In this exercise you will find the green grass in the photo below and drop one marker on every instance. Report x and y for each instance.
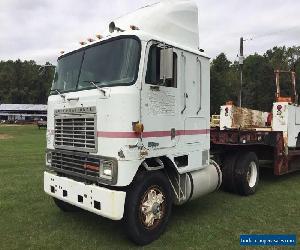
(30, 220)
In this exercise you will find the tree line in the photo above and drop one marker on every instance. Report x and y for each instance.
(26, 82)
(258, 89)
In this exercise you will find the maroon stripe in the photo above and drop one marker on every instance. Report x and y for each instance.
(148, 134)
(117, 134)
(193, 132)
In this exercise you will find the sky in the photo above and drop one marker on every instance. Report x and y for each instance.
(40, 29)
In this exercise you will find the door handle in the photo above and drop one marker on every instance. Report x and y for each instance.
(185, 95)
(73, 99)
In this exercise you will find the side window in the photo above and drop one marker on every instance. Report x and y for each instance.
(153, 69)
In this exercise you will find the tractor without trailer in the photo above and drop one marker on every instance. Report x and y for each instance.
(128, 124)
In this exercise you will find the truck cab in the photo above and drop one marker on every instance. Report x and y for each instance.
(128, 121)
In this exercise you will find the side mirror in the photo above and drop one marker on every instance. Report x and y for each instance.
(166, 64)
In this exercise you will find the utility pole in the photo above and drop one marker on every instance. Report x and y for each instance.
(241, 62)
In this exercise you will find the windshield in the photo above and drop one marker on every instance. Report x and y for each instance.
(112, 63)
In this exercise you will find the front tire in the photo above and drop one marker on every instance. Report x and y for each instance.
(148, 207)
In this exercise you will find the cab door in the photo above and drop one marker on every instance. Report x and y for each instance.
(159, 93)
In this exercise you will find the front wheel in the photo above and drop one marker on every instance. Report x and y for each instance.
(148, 207)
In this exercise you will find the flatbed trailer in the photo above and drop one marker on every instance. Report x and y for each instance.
(268, 145)
(229, 147)
(242, 140)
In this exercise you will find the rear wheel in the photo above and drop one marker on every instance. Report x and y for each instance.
(64, 206)
(247, 173)
(148, 207)
(228, 181)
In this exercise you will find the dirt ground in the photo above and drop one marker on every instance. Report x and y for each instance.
(5, 136)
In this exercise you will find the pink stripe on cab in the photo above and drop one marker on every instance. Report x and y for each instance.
(148, 134)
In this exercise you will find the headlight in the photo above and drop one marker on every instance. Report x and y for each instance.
(107, 169)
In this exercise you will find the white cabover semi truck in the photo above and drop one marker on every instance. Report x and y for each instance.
(128, 121)
(128, 128)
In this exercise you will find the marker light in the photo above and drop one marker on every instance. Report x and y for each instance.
(133, 27)
(99, 36)
(62, 52)
(90, 40)
(82, 43)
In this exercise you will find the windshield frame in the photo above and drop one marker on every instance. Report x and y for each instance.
(52, 90)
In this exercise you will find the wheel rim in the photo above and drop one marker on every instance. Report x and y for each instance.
(152, 207)
(252, 174)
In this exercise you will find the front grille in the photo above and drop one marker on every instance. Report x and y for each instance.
(75, 164)
(76, 132)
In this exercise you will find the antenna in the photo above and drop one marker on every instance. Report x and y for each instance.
(241, 62)
(112, 27)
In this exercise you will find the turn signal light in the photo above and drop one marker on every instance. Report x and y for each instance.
(99, 36)
(90, 40)
(82, 43)
(91, 167)
(279, 107)
(137, 127)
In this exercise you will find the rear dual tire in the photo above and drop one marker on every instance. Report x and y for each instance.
(241, 173)
(247, 174)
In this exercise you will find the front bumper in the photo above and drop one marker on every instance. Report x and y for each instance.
(102, 201)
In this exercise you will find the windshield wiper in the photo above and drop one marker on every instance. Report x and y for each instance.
(58, 92)
(94, 83)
